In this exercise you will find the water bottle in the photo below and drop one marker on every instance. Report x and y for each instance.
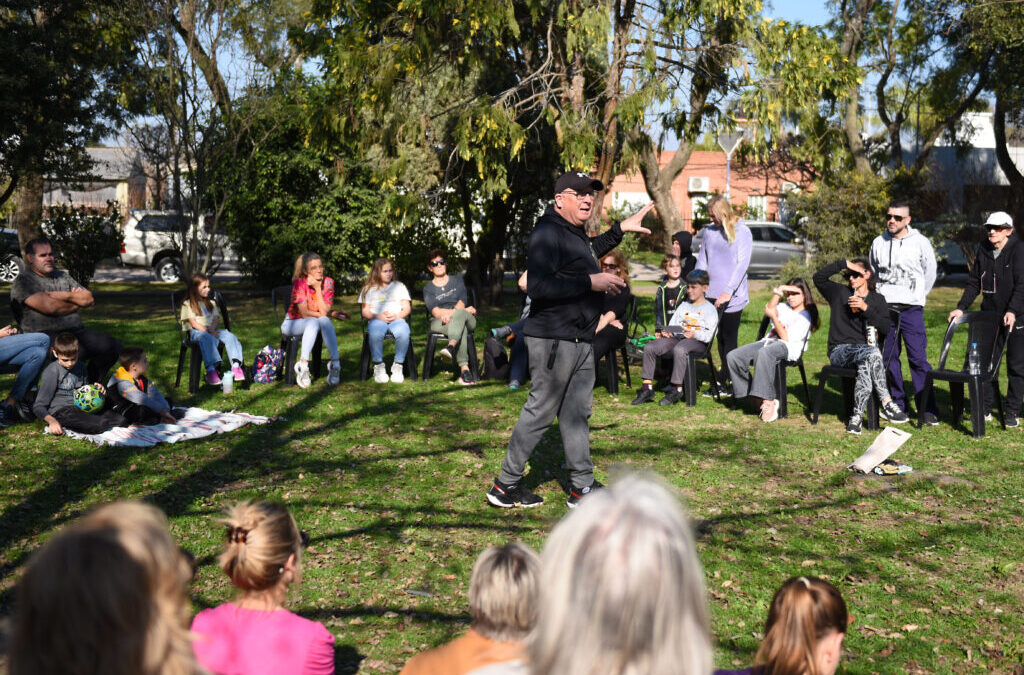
(973, 360)
(228, 381)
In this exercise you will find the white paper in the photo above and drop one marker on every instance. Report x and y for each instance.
(886, 443)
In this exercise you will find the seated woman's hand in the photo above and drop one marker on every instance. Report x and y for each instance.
(339, 314)
(387, 317)
(471, 310)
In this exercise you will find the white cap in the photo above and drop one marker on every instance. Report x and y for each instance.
(1000, 219)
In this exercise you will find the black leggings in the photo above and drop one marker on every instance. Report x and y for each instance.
(608, 340)
(728, 335)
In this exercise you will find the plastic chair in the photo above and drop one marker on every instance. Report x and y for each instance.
(291, 344)
(612, 358)
(781, 388)
(408, 367)
(195, 364)
(692, 381)
(432, 339)
(986, 329)
(848, 376)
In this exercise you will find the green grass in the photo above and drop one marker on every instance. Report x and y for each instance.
(389, 481)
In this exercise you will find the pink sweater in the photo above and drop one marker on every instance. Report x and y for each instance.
(235, 641)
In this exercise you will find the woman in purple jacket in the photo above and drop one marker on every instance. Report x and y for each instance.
(725, 255)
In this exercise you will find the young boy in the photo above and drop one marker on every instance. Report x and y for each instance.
(55, 402)
(132, 395)
(689, 330)
(670, 293)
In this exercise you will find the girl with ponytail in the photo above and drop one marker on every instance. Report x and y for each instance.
(255, 634)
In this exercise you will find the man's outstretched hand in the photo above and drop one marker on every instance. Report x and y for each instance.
(633, 223)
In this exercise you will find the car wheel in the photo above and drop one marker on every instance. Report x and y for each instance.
(169, 270)
(10, 268)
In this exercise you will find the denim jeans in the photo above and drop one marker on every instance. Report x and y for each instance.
(378, 329)
(28, 351)
(308, 329)
(209, 345)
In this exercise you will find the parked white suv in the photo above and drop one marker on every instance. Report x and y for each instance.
(153, 239)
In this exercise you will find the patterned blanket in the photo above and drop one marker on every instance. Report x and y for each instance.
(195, 423)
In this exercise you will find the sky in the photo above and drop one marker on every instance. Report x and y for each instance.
(810, 12)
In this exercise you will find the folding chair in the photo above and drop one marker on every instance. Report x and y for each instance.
(195, 364)
(291, 344)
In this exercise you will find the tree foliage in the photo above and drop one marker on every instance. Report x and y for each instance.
(843, 216)
(82, 238)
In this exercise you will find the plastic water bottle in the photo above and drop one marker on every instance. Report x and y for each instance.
(973, 360)
(227, 381)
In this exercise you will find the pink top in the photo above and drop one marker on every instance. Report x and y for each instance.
(301, 292)
(234, 641)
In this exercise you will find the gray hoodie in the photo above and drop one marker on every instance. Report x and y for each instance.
(904, 268)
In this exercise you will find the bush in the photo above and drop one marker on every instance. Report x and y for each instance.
(842, 216)
(81, 239)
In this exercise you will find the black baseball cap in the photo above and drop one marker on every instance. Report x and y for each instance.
(578, 181)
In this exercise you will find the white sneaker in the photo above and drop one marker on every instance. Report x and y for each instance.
(302, 376)
(396, 373)
(380, 373)
(333, 373)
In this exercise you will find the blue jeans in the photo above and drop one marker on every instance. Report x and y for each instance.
(378, 329)
(209, 345)
(519, 358)
(308, 329)
(28, 351)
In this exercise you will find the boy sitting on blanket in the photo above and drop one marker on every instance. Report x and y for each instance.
(689, 330)
(132, 395)
(55, 403)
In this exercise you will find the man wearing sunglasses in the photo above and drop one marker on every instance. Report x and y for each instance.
(904, 265)
(567, 289)
(998, 275)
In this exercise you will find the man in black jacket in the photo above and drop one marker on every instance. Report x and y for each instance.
(855, 309)
(998, 274)
(566, 289)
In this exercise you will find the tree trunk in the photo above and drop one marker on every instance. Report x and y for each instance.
(473, 271)
(853, 30)
(1013, 174)
(658, 182)
(28, 213)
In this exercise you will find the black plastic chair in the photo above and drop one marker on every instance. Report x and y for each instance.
(195, 364)
(612, 358)
(986, 329)
(433, 338)
(781, 388)
(408, 367)
(692, 382)
(291, 344)
(848, 377)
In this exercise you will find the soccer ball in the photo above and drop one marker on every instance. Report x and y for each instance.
(88, 398)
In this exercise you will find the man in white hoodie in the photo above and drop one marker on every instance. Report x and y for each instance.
(904, 264)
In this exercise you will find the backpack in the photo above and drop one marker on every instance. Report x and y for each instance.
(267, 364)
(495, 360)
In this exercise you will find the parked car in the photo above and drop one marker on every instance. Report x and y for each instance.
(10, 256)
(153, 239)
(774, 245)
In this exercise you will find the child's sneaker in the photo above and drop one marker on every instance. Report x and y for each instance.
(302, 376)
(333, 373)
(237, 372)
(213, 377)
(380, 373)
(397, 374)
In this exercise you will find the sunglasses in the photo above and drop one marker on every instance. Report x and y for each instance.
(437, 263)
(850, 274)
(992, 228)
(573, 193)
(894, 216)
(606, 266)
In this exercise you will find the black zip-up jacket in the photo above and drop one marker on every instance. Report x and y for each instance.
(560, 259)
(1003, 275)
(847, 327)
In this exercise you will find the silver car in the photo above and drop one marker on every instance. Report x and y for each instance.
(773, 246)
(153, 239)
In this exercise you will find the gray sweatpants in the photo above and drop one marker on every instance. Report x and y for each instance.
(565, 390)
(679, 348)
(765, 355)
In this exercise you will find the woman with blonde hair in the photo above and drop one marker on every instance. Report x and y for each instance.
(255, 634)
(804, 632)
(108, 595)
(611, 324)
(310, 312)
(386, 303)
(623, 588)
(725, 255)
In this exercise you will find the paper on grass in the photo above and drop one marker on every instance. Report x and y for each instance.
(886, 443)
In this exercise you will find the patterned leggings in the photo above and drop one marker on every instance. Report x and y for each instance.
(870, 372)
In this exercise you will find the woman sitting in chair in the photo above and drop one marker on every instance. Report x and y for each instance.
(310, 312)
(611, 325)
(385, 305)
(450, 313)
(792, 321)
(201, 317)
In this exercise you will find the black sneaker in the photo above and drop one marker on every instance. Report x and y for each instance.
(508, 496)
(854, 425)
(466, 378)
(672, 397)
(892, 412)
(1010, 420)
(576, 494)
(7, 416)
(724, 391)
(646, 395)
(930, 419)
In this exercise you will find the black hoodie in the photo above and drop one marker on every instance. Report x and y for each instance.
(1006, 294)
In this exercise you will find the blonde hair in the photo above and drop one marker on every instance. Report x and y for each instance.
(720, 207)
(373, 280)
(108, 595)
(623, 589)
(261, 536)
(503, 592)
(803, 612)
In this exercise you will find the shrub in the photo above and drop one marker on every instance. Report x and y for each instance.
(82, 238)
(842, 215)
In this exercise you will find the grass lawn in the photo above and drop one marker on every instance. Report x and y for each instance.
(390, 480)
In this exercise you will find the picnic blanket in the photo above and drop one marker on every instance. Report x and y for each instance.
(195, 423)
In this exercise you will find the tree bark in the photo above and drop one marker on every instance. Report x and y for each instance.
(658, 182)
(1013, 174)
(853, 31)
(28, 214)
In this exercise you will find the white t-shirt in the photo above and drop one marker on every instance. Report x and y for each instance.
(385, 298)
(798, 325)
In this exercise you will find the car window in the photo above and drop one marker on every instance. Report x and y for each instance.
(782, 235)
(154, 223)
(757, 233)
